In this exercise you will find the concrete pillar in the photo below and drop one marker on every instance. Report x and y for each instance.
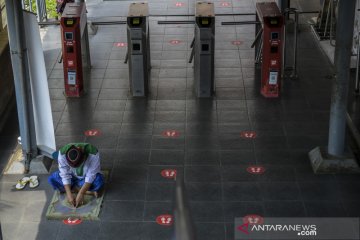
(19, 59)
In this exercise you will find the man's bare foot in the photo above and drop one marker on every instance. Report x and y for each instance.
(96, 194)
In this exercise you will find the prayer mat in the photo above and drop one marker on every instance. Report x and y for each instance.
(60, 208)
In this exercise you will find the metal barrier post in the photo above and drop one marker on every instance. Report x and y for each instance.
(204, 48)
(293, 68)
(75, 49)
(1, 237)
(184, 227)
(357, 65)
(271, 47)
(138, 54)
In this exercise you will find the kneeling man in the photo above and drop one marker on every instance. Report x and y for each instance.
(79, 171)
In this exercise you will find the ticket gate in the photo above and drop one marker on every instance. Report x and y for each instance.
(204, 49)
(138, 49)
(75, 48)
(270, 46)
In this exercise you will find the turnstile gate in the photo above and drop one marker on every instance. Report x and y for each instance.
(204, 48)
(269, 48)
(75, 48)
(138, 49)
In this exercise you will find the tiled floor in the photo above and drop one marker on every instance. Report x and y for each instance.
(209, 148)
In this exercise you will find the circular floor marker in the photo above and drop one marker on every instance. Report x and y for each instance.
(121, 44)
(179, 4)
(72, 221)
(92, 132)
(225, 4)
(253, 219)
(168, 173)
(165, 220)
(248, 134)
(237, 42)
(174, 42)
(257, 170)
(171, 133)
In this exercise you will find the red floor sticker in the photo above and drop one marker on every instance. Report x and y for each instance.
(171, 133)
(253, 219)
(225, 4)
(179, 4)
(248, 134)
(121, 44)
(174, 42)
(168, 173)
(72, 221)
(237, 42)
(92, 132)
(165, 220)
(255, 169)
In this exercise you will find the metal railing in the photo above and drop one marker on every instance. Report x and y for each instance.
(326, 22)
(292, 68)
(41, 11)
(184, 227)
(357, 64)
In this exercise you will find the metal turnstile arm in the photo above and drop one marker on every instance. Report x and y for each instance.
(126, 57)
(257, 38)
(192, 50)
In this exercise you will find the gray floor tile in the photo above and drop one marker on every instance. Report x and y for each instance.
(203, 191)
(129, 157)
(120, 230)
(167, 157)
(122, 211)
(126, 191)
(202, 174)
(245, 191)
(213, 231)
(234, 210)
(237, 174)
(325, 191)
(237, 157)
(35, 211)
(352, 208)
(124, 173)
(202, 157)
(160, 191)
(85, 230)
(280, 191)
(152, 231)
(155, 209)
(167, 143)
(134, 142)
(325, 209)
(200, 211)
(284, 209)
(39, 231)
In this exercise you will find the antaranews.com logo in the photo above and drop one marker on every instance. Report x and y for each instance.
(299, 230)
(296, 228)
